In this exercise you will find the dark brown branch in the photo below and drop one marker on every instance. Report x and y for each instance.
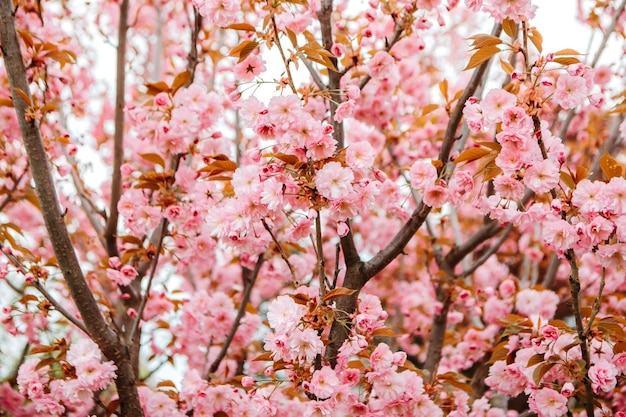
(249, 279)
(46, 191)
(574, 282)
(324, 15)
(86, 304)
(400, 240)
(110, 233)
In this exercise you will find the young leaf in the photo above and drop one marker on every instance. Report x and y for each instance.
(337, 292)
(610, 167)
(509, 27)
(471, 154)
(481, 56)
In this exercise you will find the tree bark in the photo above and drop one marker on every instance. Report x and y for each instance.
(106, 339)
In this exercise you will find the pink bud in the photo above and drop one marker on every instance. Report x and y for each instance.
(247, 381)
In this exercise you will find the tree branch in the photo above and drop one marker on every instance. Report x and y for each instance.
(110, 233)
(46, 192)
(95, 323)
(249, 278)
(400, 240)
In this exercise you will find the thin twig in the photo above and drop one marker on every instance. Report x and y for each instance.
(320, 256)
(487, 254)
(9, 196)
(596, 303)
(249, 279)
(282, 252)
(282, 54)
(153, 266)
(314, 74)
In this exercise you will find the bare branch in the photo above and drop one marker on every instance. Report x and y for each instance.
(118, 144)
(249, 279)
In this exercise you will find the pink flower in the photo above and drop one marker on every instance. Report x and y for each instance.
(344, 110)
(495, 103)
(542, 176)
(603, 376)
(284, 314)
(360, 155)
(590, 196)
(435, 196)
(334, 181)
(570, 91)
(506, 379)
(508, 188)
(422, 174)
(547, 402)
(220, 12)
(305, 344)
(324, 383)
(380, 66)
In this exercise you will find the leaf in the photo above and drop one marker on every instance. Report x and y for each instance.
(384, 332)
(506, 66)
(481, 56)
(610, 167)
(509, 27)
(42, 349)
(6, 102)
(62, 57)
(28, 40)
(338, 292)
(568, 180)
(292, 37)
(535, 359)
(242, 26)
(566, 60)
(536, 38)
(567, 51)
(166, 383)
(244, 49)
(288, 159)
(483, 40)
(24, 96)
(156, 88)
(179, 81)
(491, 145)
(267, 356)
(541, 370)
(443, 87)
(471, 154)
(154, 158)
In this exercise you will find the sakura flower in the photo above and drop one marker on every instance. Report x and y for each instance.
(547, 402)
(220, 12)
(603, 376)
(435, 196)
(590, 196)
(360, 155)
(422, 174)
(495, 103)
(380, 66)
(334, 181)
(324, 383)
(284, 314)
(542, 176)
(305, 344)
(570, 91)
